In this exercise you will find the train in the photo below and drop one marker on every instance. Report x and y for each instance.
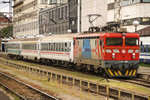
(0, 45)
(145, 50)
(109, 54)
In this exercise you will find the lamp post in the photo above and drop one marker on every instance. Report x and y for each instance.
(136, 24)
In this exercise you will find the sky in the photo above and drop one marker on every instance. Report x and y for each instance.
(4, 7)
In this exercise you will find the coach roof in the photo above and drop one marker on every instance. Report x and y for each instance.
(58, 37)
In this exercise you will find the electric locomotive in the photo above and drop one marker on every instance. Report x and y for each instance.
(112, 54)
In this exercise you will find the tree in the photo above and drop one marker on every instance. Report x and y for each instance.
(7, 31)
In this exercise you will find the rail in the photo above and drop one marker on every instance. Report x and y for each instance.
(13, 92)
(45, 95)
(90, 86)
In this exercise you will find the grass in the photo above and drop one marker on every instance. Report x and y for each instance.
(59, 90)
(116, 84)
(145, 65)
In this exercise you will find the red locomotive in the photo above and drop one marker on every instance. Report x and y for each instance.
(112, 54)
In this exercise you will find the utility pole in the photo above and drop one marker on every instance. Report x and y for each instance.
(117, 11)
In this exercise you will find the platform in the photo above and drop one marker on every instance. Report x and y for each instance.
(144, 70)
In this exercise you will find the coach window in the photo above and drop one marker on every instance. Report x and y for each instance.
(31, 46)
(59, 46)
(46, 46)
(62, 46)
(146, 1)
(65, 45)
(27, 46)
(148, 48)
(54, 47)
(144, 48)
(49, 47)
(42, 46)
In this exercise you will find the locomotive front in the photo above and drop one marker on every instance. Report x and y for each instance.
(121, 54)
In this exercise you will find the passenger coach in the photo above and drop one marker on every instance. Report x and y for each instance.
(145, 50)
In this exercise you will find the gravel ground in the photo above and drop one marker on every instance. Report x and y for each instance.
(5, 96)
(144, 70)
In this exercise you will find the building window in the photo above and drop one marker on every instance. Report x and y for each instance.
(43, 1)
(126, 3)
(146, 1)
(142, 21)
(53, 1)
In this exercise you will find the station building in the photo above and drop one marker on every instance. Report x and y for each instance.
(58, 16)
(26, 15)
(131, 10)
(76, 15)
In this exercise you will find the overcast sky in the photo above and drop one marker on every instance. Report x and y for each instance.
(4, 7)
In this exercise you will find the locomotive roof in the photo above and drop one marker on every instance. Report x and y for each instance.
(58, 37)
(107, 34)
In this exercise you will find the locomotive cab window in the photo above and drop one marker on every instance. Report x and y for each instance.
(114, 41)
(132, 41)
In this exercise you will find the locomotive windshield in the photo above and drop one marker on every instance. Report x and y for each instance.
(114, 41)
(132, 41)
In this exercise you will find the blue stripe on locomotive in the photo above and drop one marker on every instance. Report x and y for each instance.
(86, 49)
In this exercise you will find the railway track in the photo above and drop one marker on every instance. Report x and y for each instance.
(85, 85)
(22, 90)
(138, 81)
(141, 82)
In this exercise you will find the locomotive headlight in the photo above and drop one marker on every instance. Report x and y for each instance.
(108, 50)
(136, 51)
(133, 55)
(113, 55)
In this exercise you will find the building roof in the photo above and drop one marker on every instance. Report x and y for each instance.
(4, 18)
(144, 31)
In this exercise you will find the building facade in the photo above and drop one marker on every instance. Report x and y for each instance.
(131, 10)
(26, 15)
(54, 20)
(93, 13)
(78, 15)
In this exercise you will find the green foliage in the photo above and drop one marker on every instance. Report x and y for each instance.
(144, 64)
(6, 32)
